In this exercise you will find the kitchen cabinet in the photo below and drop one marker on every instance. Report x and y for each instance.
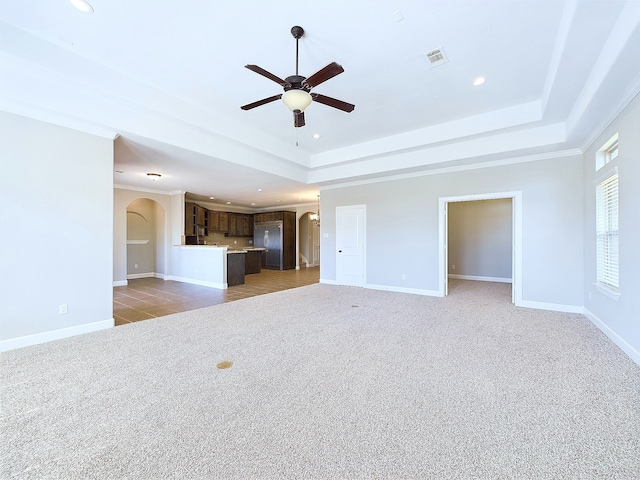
(269, 217)
(218, 221)
(195, 216)
(253, 262)
(248, 226)
(233, 224)
(235, 268)
(223, 226)
(190, 218)
(214, 220)
(240, 225)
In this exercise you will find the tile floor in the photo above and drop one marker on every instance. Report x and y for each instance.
(145, 298)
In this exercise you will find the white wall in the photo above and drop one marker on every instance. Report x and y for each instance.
(56, 219)
(620, 319)
(402, 226)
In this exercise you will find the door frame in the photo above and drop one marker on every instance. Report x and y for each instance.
(516, 238)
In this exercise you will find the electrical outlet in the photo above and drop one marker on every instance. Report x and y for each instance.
(404, 277)
(453, 267)
(135, 266)
(62, 309)
(235, 242)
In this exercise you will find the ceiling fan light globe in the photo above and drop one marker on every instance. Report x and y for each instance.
(296, 99)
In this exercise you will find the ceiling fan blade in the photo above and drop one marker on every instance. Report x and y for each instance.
(333, 102)
(298, 118)
(249, 106)
(269, 75)
(323, 75)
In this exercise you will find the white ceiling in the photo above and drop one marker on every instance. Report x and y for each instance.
(169, 79)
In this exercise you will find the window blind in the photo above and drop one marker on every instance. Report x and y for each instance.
(607, 232)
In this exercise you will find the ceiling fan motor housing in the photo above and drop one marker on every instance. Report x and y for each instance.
(296, 82)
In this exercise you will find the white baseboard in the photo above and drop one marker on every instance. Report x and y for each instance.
(481, 279)
(220, 286)
(613, 336)
(414, 291)
(44, 337)
(556, 307)
(390, 288)
(140, 275)
(124, 283)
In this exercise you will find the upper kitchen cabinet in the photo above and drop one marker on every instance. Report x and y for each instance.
(268, 217)
(218, 221)
(240, 225)
(195, 216)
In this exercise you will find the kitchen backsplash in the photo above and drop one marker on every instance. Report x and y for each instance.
(234, 242)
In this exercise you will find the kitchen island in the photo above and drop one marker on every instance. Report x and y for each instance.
(208, 265)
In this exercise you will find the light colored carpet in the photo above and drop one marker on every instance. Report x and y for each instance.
(328, 382)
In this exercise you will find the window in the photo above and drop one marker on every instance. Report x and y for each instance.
(607, 153)
(612, 152)
(607, 233)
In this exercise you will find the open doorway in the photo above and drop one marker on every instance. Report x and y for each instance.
(468, 257)
(309, 240)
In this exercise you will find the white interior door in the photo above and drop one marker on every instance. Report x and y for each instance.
(350, 245)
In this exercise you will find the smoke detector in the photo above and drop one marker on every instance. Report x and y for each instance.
(436, 57)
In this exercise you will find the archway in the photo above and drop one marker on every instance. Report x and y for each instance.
(308, 240)
(146, 239)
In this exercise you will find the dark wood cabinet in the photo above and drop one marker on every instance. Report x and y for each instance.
(218, 221)
(269, 216)
(240, 225)
(288, 239)
(233, 224)
(214, 220)
(223, 225)
(235, 268)
(253, 262)
(195, 216)
(190, 217)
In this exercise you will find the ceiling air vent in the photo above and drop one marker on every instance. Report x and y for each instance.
(436, 57)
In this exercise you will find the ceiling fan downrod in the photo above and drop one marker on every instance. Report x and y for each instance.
(297, 33)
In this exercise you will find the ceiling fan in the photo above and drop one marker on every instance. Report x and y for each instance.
(297, 88)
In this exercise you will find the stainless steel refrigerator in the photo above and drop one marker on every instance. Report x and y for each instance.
(268, 235)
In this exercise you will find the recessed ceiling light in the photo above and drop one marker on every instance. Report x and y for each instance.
(479, 81)
(316, 135)
(212, 198)
(82, 5)
(259, 189)
(253, 204)
(228, 203)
